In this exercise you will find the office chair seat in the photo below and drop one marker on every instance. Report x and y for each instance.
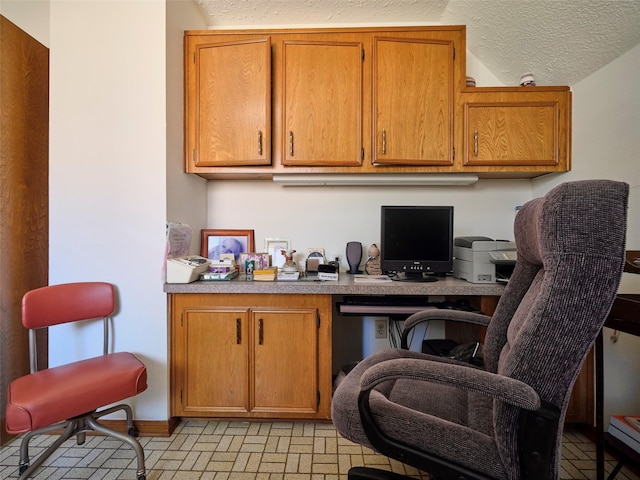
(33, 404)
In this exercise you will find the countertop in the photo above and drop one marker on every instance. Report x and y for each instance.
(344, 286)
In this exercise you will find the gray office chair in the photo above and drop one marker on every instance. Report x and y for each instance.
(504, 420)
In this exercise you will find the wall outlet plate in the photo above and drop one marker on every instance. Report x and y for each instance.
(381, 328)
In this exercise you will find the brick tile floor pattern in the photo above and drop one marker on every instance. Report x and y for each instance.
(222, 450)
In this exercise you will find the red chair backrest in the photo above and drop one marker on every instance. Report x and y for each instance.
(68, 302)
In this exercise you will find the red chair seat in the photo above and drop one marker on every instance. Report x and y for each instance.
(59, 393)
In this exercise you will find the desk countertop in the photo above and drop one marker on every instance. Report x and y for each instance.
(344, 286)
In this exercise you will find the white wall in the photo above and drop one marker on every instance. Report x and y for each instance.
(32, 17)
(606, 142)
(329, 217)
(108, 174)
(186, 194)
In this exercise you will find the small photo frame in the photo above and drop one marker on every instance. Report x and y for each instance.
(273, 246)
(213, 243)
(259, 261)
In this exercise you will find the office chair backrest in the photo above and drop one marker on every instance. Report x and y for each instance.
(68, 302)
(570, 258)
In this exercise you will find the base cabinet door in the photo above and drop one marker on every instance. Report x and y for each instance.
(285, 352)
(215, 356)
(253, 356)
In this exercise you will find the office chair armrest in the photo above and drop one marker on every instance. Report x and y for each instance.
(441, 314)
(505, 389)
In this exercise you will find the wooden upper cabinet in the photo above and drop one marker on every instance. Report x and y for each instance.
(413, 101)
(517, 128)
(228, 101)
(322, 103)
(361, 100)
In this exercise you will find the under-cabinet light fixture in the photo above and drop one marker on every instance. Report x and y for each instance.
(370, 179)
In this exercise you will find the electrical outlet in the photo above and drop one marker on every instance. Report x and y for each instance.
(381, 328)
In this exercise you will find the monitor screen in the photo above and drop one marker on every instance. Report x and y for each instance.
(416, 241)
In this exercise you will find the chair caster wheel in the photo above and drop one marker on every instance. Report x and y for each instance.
(142, 477)
(23, 468)
(132, 432)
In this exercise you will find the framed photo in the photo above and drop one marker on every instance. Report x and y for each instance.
(273, 246)
(215, 242)
(259, 261)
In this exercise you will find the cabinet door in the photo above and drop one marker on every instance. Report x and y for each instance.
(214, 363)
(228, 103)
(322, 103)
(511, 133)
(413, 101)
(285, 363)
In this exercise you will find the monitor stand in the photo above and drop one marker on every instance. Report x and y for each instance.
(414, 277)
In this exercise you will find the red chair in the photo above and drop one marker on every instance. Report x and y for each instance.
(67, 397)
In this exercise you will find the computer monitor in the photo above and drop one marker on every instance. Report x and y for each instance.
(416, 242)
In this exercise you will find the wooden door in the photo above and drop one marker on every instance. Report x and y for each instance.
(213, 361)
(228, 103)
(413, 101)
(512, 133)
(322, 103)
(24, 196)
(285, 361)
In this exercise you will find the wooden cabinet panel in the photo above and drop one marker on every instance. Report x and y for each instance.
(510, 129)
(228, 102)
(581, 403)
(24, 197)
(361, 100)
(254, 356)
(413, 99)
(512, 133)
(285, 369)
(322, 98)
(216, 356)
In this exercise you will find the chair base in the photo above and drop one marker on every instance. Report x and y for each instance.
(78, 427)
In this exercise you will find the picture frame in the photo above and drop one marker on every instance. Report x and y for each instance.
(213, 242)
(259, 261)
(273, 246)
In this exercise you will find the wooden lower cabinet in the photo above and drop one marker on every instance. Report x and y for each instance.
(251, 356)
(581, 403)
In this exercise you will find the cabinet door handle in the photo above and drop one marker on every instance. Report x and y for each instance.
(291, 143)
(260, 333)
(475, 143)
(384, 141)
(260, 142)
(238, 331)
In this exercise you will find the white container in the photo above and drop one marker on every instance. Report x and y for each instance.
(186, 269)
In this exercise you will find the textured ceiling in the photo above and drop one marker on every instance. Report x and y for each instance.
(559, 41)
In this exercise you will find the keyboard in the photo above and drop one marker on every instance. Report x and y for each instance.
(384, 304)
